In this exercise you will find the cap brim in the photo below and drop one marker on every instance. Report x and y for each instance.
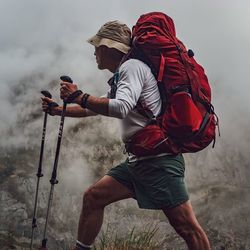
(94, 40)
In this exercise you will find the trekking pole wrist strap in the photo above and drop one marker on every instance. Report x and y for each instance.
(73, 96)
(51, 105)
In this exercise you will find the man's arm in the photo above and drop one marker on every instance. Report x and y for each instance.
(98, 105)
(71, 111)
(74, 111)
(129, 88)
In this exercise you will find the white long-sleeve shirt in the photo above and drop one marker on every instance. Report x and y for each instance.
(135, 83)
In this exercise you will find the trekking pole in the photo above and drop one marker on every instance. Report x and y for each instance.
(53, 179)
(39, 170)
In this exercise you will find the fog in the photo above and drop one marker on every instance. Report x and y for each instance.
(41, 40)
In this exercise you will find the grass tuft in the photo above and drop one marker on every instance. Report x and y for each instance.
(133, 240)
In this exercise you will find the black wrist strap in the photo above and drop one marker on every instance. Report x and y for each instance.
(50, 106)
(84, 100)
(73, 96)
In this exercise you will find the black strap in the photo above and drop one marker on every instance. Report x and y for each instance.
(73, 96)
(113, 81)
(145, 111)
(181, 88)
(204, 123)
(50, 106)
(84, 100)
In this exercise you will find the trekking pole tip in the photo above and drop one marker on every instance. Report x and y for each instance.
(44, 243)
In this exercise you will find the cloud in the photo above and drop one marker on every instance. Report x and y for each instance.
(44, 39)
(41, 40)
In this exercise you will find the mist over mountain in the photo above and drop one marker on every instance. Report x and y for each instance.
(41, 40)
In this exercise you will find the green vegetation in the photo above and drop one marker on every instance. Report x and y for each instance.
(133, 240)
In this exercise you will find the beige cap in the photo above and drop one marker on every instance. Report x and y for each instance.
(113, 34)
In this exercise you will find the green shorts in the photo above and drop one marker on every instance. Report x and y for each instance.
(157, 183)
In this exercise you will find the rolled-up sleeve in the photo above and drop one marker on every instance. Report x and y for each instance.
(129, 88)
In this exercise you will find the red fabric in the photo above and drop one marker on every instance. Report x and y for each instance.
(150, 140)
(155, 42)
(154, 36)
(182, 117)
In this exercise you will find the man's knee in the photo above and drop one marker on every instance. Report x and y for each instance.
(186, 229)
(104, 192)
(183, 220)
(92, 199)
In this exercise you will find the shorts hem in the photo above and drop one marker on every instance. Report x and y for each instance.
(155, 207)
(121, 182)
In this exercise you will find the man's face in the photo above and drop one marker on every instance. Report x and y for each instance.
(100, 54)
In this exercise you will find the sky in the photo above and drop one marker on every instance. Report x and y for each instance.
(41, 40)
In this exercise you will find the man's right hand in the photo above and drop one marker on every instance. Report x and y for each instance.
(50, 106)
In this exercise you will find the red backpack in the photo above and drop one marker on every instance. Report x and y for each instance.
(187, 122)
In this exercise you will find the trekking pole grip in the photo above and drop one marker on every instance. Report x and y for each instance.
(66, 79)
(69, 80)
(46, 93)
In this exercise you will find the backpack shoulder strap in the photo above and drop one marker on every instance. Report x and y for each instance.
(113, 81)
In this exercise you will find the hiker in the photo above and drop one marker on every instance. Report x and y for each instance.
(155, 181)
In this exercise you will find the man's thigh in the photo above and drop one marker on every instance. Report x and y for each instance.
(107, 190)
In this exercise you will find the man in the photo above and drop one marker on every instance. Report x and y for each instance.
(156, 181)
